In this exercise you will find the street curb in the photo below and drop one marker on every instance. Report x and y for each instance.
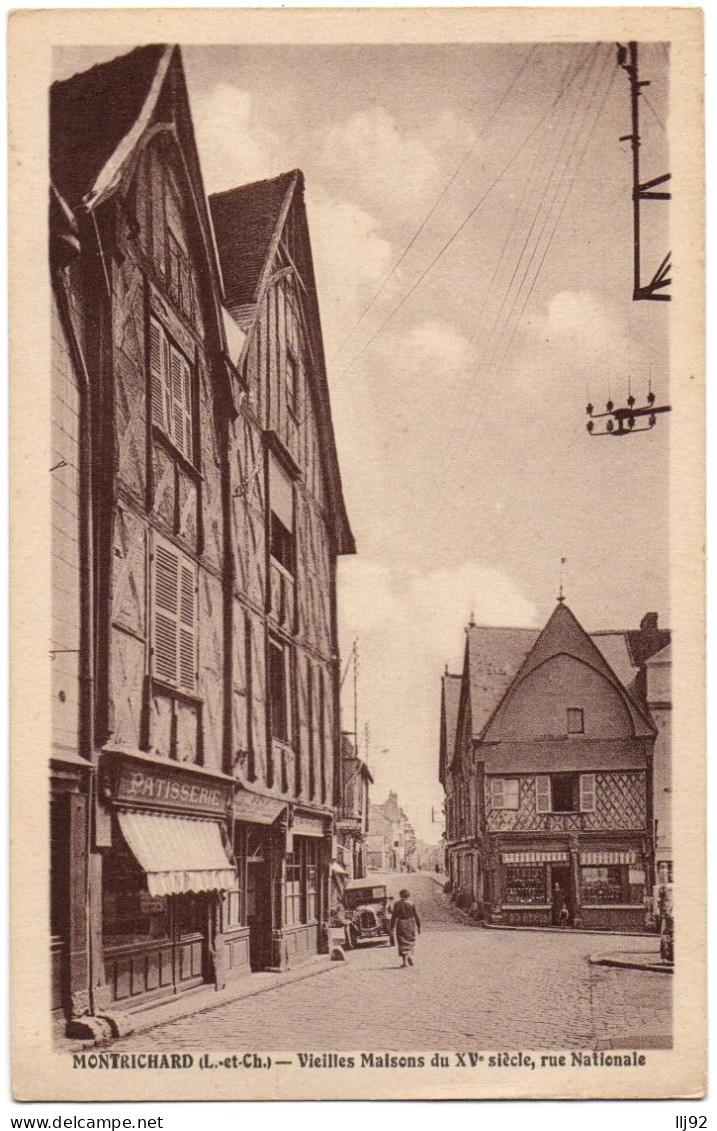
(627, 964)
(153, 1016)
(468, 919)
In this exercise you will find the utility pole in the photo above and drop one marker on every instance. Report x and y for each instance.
(627, 59)
(356, 670)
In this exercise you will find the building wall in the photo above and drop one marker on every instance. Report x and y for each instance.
(620, 803)
(537, 708)
(158, 492)
(65, 578)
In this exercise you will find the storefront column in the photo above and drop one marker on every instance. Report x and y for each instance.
(277, 864)
(575, 875)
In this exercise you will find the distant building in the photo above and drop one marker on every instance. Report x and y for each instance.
(353, 812)
(391, 843)
(549, 759)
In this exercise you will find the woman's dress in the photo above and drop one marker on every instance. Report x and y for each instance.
(406, 924)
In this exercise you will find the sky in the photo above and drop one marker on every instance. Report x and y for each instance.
(471, 225)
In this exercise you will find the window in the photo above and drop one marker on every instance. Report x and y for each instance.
(565, 793)
(170, 390)
(604, 885)
(280, 690)
(505, 793)
(292, 896)
(281, 502)
(587, 793)
(174, 617)
(179, 276)
(312, 884)
(292, 383)
(302, 883)
(576, 720)
(565, 798)
(525, 884)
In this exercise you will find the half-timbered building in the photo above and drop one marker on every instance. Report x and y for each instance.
(550, 780)
(197, 519)
(287, 525)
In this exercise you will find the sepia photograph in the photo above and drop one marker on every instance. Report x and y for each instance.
(365, 362)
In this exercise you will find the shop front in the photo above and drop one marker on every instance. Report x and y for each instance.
(165, 872)
(597, 888)
(259, 844)
(306, 882)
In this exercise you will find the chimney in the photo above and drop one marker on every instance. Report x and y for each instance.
(648, 624)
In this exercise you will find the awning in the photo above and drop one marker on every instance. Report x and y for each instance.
(256, 808)
(179, 854)
(337, 869)
(629, 856)
(535, 857)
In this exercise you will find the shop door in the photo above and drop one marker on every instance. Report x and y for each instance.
(258, 913)
(190, 931)
(563, 900)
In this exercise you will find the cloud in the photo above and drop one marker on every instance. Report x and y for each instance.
(384, 162)
(351, 260)
(235, 148)
(409, 625)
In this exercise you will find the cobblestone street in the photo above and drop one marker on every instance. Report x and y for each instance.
(470, 989)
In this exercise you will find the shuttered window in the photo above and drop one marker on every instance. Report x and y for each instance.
(505, 793)
(174, 620)
(543, 794)
(587, 793)
(170, 390)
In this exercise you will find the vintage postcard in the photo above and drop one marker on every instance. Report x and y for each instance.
(357, 581)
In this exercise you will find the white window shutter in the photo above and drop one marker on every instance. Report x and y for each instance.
(543, 793)
(511, 792)
(497, 796)
(165, 594)
(587, 793)
(178, 415)
(156, 373)
(188, 430)
(188, 626)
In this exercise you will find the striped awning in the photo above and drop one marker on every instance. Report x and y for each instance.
(179, 854)
(538, 857)
(610, 856)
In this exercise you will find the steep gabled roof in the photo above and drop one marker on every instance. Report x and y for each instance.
(245, 220)
(91, 114)
(248, 224)
(450, 701)
(493, 658)
(99, 120)
(563, 634)
(615, 647)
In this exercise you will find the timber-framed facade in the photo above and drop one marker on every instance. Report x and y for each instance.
(197, 519)
(547, 759)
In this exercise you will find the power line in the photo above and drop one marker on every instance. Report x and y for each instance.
(564, 143)
(436, 203)
(572, 141)
(466, 220)
(464, 414)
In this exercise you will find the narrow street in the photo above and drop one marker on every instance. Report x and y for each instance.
(470, 988)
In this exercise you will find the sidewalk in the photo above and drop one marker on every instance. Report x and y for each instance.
(206, 998)
(633, 960)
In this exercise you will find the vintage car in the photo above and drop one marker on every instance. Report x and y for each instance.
(368, 911)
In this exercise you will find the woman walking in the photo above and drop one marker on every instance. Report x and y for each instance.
(407, 925)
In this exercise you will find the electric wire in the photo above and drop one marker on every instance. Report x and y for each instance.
(439, 199)
(448, 243)
(464, 414)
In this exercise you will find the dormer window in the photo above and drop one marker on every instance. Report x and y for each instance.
(576, 720)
